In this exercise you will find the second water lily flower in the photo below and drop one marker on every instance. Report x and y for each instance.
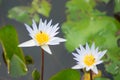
(43, 35)
(88, 58)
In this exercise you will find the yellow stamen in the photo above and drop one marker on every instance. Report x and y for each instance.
(89, 60)
(42, 38)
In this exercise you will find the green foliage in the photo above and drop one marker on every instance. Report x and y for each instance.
(113, 67)
(13, 55)
(68, 74)
(24, 14)
(102, 78)
(79, 6)
(17, 66)
(94, 29)
(117, 6)
(87, 24)
(42, 7)
(35, 75)
(20, 14)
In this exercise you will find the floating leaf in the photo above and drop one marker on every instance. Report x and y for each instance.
(89, 30)
(117, 6)
(12, 53)
(44, 8)
(20, 13)
(35, 75)
(79, 8)
(24, 14)
(68, 74)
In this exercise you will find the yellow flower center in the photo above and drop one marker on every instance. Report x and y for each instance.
(42, 38)
(89, 60)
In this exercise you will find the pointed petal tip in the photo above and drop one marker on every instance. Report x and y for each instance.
(28, 43)
(95, 70)
(21, 45)
(62, 40)
(46, 48)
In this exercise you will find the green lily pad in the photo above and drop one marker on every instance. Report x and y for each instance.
(13, 54)
(68, 74)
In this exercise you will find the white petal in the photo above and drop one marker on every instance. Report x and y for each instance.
(56, 25)
(78, 50)
(53, 43)
(96, 50)
(56, 40)
(29, 29)
(44, 25)
(82, 48)
(29, 43)
(46, 48)
(93, 47)
(76, 58)
(87, 47)
(100, 55)
(40, 24)
(49, 23)
(88, 68)
(34, 25)
(95, 70)
(77, 67)
(99, 62)
(75, 54)
(53, 29)
(45, 22)
(52, 35)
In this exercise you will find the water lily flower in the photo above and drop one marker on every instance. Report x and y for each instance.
(43, 35)
(87, 58)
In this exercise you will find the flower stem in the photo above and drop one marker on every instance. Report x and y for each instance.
(91, 75)
(42, 64)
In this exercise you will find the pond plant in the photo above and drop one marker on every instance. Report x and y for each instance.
(86, 25)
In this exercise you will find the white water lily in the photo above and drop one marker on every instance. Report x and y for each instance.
(43, 35)
(88, 58)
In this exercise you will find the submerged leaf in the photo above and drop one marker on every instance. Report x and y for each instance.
(12, 53)
(15, 66)
(35, 75)
(29, 59)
